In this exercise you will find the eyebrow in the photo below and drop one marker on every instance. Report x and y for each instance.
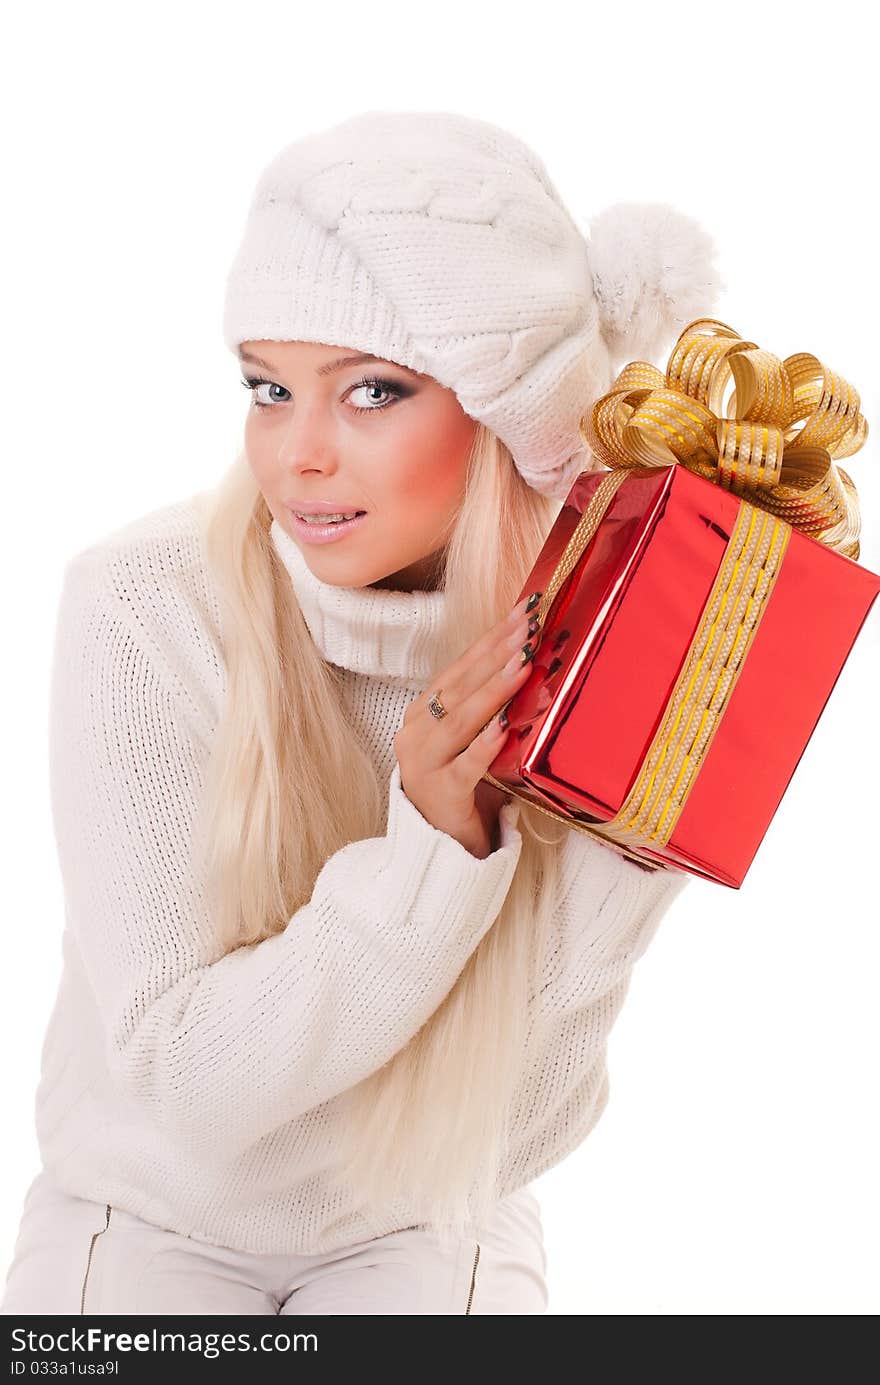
(330, 367)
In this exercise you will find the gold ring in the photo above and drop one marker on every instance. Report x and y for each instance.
(435, 706)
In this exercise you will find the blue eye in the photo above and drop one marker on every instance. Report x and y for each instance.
(390, 387)
(253, 383)
(387, 385)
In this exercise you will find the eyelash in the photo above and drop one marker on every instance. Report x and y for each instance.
(252, 383)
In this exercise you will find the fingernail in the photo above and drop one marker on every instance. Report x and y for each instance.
(503, 719)
(514, 665)
(533, 601)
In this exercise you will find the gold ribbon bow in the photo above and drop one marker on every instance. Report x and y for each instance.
(754, 446)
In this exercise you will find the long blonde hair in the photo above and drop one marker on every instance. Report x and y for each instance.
(430, 1130)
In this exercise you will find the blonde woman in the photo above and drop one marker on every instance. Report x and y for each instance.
(330, 1003)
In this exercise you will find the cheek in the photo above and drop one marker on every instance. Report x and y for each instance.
(430, 462)
(424, 491)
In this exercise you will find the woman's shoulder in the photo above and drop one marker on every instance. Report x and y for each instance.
(150, 576)
(168, 539)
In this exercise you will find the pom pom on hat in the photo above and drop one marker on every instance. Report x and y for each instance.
(653, 272)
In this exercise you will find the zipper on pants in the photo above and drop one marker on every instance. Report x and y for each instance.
(473, 1279)
(82, 1302)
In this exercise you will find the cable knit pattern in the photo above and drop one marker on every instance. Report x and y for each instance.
(198, 1090)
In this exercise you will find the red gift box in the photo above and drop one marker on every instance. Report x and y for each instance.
(689, 637)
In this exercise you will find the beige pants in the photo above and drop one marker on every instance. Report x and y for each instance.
(82, 1257)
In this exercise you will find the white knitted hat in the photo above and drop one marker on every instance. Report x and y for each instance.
(438, 241)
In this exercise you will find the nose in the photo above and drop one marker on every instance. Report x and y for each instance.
(307, 444)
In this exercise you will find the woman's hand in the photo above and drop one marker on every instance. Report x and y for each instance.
(442, 761)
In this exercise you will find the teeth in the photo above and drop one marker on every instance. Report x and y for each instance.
(325, 519)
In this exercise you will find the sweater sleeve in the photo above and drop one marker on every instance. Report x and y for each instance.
(608, 911)
(221, 1049)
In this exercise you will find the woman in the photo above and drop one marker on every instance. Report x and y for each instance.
(329, 1004)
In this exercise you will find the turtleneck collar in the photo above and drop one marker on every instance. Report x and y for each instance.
(371, 630)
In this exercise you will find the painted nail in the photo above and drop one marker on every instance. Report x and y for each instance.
(513, 666)
(533, 601)
(527, 652)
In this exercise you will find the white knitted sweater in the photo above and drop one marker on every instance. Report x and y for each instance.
(198, 1090)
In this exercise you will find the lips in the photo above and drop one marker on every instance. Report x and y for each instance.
(314, 531)
(324, 508)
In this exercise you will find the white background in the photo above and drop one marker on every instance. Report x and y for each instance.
(734, 1170)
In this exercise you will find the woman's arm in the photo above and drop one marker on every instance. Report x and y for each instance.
(222, 1049)
(607, 912)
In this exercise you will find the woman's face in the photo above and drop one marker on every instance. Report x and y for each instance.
(364, 434)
